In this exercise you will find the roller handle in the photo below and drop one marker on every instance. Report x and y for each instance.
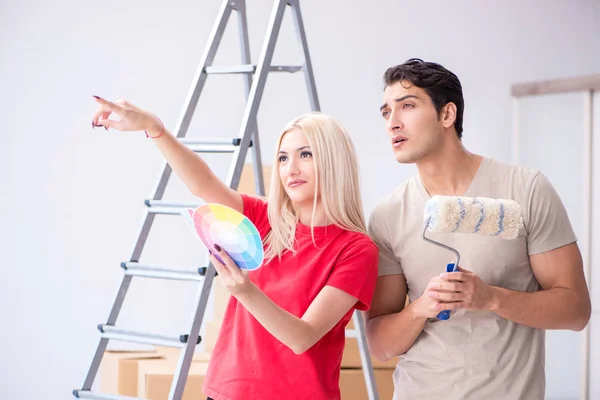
(444, 315)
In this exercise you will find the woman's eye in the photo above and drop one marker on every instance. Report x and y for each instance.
(282, 158)
(306, 154)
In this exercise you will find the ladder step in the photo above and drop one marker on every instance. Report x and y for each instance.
(212, 148)
(234, 141)
(86, 394)
(164, 272)
(351, 333)
(249, 69)
(213, 145)
(111, 332)
(168, 207)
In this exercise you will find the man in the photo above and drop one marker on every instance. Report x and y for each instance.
(506, 292)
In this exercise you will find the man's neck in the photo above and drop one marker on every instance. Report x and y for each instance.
(450, 171)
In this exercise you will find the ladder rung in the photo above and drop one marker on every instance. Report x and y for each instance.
(170, 204)
(86, 394)
(168, 207)
(225, 142)
(212, 148)
(213, 145)
(249, 69)
(110, 332)
(163, 272)
(351, 333)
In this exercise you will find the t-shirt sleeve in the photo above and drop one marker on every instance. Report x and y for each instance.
(548, 225)
(380, 233)
(255, 209)
(355, 272)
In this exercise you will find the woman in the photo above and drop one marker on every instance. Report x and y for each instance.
(283, 332)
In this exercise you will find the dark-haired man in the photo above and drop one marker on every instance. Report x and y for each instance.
(506, 292)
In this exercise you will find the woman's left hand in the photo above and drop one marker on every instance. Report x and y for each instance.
(231, 276)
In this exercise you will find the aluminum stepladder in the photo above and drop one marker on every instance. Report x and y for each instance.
(247, 138)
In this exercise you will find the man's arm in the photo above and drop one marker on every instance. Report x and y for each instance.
(392, 327)
(563, 302)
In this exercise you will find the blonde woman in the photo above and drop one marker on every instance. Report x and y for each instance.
(283, 333)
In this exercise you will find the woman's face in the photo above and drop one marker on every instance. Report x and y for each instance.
(297, 168)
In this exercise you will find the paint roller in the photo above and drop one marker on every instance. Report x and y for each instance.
(472, 215)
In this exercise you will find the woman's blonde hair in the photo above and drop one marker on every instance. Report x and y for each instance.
(336, 183)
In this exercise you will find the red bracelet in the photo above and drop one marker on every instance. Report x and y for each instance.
(161, 132)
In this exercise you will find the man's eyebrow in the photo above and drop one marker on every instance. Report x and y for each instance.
(384, 105)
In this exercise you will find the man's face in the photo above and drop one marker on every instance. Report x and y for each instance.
(411, 121)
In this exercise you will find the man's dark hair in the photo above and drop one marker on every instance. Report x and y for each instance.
(440, 84)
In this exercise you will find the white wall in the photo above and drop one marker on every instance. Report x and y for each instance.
(554, 142)
(595, 246)
(72, 198)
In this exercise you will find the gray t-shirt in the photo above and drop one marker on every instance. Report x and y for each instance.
(473, 355)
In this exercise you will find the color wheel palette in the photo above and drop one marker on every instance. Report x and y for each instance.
(231, 230)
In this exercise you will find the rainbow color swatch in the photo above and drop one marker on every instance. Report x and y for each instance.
(231, 230)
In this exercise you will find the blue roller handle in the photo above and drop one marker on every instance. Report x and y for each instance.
(444, 315)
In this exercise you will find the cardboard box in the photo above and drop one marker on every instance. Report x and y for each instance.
(247, 185)
(173, 353)
(155, 380)
(353, 386)
(119, 370)
(155, 377)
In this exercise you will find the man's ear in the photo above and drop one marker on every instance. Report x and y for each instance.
(449, 115)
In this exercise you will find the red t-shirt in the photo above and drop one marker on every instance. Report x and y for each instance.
(248, 362)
